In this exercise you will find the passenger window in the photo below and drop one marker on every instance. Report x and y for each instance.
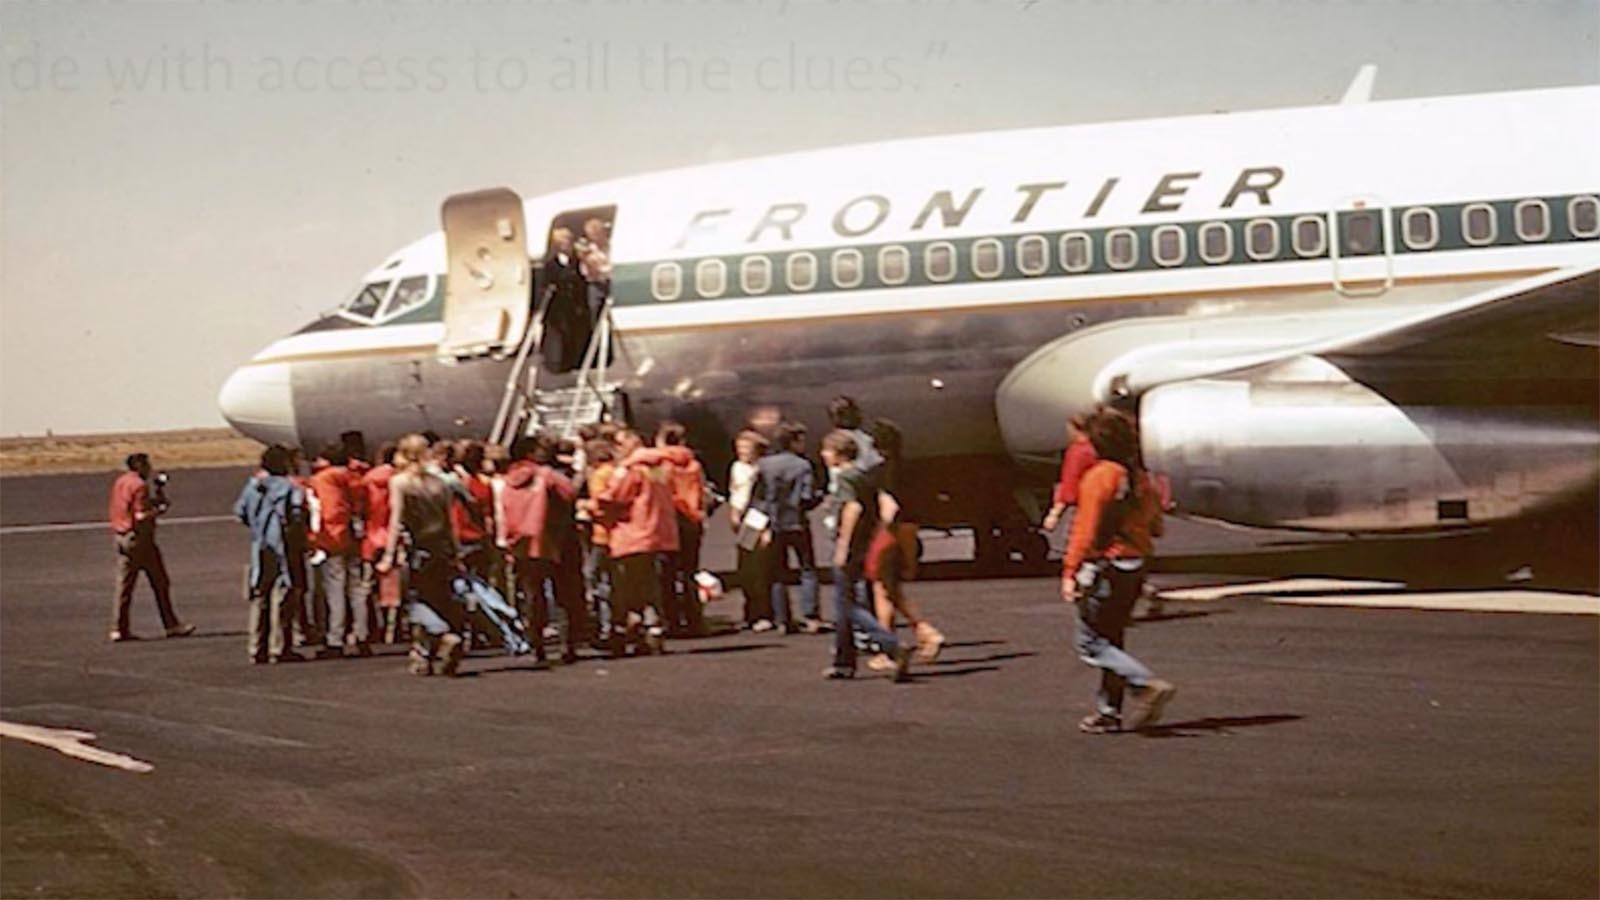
(988, 258)
(1583, 217)
(847, 268)
(1309, 234)
(1261, 239)
(755, 275)
(666, 281)
(1421, 228)
(1362, 233)
(368, 300)
(1478, 224)
(1033, 254)
(801, 271)
(409, 294)
(1077, 252)
(1533, 220)
(1216, 242)
(1122, 248)
(710, 277)
(1169, 245)
(894, 265)
(940, 261)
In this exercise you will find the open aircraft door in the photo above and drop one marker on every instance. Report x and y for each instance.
(486, 301)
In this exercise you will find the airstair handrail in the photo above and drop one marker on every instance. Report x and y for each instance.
(530, 340)
(593, 365)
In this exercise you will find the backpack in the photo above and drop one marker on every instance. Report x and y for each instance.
(1117, 510)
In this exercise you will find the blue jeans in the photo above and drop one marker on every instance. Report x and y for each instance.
(852, 611)
(1104, 607)
(806, 557)
(597, 575)
(423, 616)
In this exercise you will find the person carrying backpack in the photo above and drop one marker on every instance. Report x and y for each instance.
(1113, 533)
(272, 507)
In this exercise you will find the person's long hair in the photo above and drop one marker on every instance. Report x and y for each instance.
(1115, 437)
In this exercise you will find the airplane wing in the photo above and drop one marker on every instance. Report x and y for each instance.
(1530, 343)
(1499, 345)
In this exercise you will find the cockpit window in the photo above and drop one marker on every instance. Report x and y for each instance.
(409, 294)
(368, 300)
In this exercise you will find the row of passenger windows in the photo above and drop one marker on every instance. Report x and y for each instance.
(1263, 240)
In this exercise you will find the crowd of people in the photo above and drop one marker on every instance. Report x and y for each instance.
(594, 544)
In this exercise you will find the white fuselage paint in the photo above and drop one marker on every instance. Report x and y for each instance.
(932, 355)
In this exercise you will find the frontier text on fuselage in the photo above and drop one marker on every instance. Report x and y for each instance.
(864, 214)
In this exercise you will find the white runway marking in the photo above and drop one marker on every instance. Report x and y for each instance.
(72, 744)
(1466, 601)
(1297, 585)
(1392, 595)
(102, 526)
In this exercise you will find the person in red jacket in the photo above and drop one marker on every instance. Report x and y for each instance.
(1102, 575)
(341, 577)
(637, 509)
(133, 521)
(385, 587)
(532, 495)
(679, 595)
(474, 519)
(1077, 459)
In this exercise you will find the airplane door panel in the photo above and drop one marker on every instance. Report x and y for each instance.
(1361, 247)
(487, 281)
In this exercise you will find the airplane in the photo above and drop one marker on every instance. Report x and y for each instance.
(1362, 317)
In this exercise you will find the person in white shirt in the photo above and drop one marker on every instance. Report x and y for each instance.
(748, 447)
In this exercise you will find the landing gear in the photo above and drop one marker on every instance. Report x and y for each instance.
(1002, 550)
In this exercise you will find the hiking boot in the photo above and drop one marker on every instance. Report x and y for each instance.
(451, 648)
(902, 664)
(1148, 703)
(930, 641)
(1099, 723)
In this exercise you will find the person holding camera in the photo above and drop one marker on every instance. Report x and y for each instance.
(133, 514)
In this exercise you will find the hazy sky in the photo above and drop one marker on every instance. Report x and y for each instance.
(181, 183)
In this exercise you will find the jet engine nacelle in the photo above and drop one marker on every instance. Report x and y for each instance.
(1303, 446)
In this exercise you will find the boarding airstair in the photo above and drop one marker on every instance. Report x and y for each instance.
(489, 284)
(531, 402)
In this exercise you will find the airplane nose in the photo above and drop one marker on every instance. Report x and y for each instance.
(258, 400)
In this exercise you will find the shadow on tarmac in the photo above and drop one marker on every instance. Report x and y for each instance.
(1215, 724)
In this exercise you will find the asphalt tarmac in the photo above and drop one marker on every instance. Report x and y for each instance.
(1311, 751)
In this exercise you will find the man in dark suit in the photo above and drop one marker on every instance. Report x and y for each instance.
(563, 294)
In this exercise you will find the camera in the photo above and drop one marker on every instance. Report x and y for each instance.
(158, 492)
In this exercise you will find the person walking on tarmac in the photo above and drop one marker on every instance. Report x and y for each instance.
(531, 500)
(680, 597)
(1113, 532)
(341, 577)
(637, 510)
(786, 492)
(133, 521)
(271, 506)
(419, 511)
(1077, 459)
